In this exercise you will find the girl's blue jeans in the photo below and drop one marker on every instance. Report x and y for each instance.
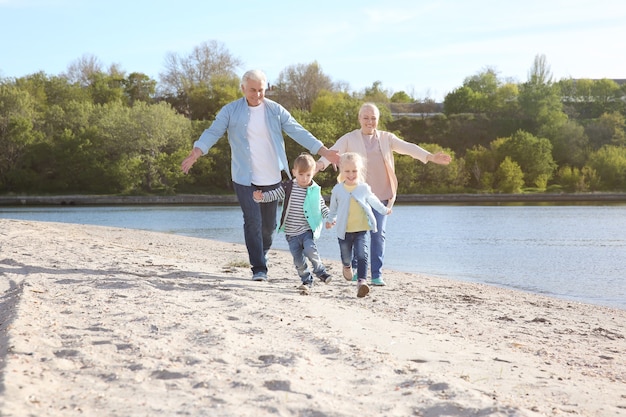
(377, 245)
(355, 248)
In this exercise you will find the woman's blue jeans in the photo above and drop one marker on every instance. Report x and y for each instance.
(259, 224)
(377, 244)
(354, 250)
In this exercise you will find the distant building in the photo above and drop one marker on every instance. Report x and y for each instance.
(415, 110)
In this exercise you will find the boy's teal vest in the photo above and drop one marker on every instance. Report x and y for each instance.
(312, 209)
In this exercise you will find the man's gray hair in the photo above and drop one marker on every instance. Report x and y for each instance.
(254, 75)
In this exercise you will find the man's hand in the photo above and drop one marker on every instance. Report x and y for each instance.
(330, 154)
(190, 160)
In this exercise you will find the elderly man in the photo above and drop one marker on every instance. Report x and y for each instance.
(254, 125)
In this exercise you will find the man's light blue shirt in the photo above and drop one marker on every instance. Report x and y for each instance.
(233, 119)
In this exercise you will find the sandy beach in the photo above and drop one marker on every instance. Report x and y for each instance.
(99, 321)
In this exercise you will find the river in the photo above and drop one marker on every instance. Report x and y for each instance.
(575, 252)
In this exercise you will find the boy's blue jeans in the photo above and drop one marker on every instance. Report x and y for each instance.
(303, 247)
(355, 243)
(259, 224)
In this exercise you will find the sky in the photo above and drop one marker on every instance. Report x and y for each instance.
(426, 48)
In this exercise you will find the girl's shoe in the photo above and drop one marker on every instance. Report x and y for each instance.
(347, 273)
(362, 289)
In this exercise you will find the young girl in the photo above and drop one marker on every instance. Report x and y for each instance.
(351, 204)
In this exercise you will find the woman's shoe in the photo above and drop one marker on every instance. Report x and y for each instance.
(378, 282)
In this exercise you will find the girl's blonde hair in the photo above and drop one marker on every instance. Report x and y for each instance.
(352, 158)
(304, 163)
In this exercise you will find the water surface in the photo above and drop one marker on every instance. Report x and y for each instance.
(571, 252)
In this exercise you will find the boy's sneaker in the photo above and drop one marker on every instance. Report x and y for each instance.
(355, 277)
(325, 278)
(362, 289)
(347, 273)
(378, 282)
(305, 287)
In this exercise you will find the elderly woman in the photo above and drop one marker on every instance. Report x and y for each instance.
(377, 148)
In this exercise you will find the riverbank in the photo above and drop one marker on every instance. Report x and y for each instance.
(191, 199)
(117, 322)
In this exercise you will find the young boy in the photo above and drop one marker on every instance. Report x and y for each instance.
(303, 214)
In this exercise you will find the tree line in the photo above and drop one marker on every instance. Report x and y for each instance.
(92, 130)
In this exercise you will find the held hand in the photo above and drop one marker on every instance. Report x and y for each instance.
(330, 154)
(257, 195)
(319, 166)
(329, 224)
(389, 211)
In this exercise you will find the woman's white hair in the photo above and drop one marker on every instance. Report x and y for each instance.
(371, 106)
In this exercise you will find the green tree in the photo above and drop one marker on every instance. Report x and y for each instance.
(610, 164)
(483, 93)
(139, 87)
(376, 93)
(532, 154)
(540, 100)
(480, 164)
(401, 97)
(415, 177)
(509, 177)
(569, 143)
(575, 179)
(157, 131)
(608, 129)
(106, 88)
(460, 100)
(17, 134)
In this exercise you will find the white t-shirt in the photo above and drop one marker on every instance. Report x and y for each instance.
(265, 164)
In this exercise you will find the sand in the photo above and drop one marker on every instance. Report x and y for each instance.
(99, 321)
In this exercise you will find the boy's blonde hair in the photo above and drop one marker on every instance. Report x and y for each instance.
(304, 163)
(352, 158)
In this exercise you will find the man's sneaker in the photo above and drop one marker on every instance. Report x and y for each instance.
(259, 276)
(325, 278)
(347, 273)
(378, 282)
(362, 289)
